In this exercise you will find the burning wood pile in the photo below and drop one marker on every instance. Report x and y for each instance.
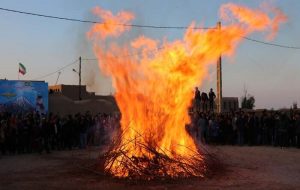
(153, 84)
(154, 164)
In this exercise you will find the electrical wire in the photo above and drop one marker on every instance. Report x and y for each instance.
(138, 26)
(54, 72)
(87, 59)
(97, 22)
(271, 44)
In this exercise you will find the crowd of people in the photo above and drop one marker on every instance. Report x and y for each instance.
(201, 100)
(32, 132)
(243, 128)
(248, 128)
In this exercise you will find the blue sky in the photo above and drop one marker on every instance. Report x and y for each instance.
(269, 73)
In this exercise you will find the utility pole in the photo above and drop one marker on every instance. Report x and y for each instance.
(79, 73)
(219, 78)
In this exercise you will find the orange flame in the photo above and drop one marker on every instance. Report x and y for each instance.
(254, 19)
(111, 25)
(154, 85)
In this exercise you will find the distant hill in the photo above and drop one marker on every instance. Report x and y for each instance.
(20, 104)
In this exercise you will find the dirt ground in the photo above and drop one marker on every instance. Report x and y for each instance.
(246, 168)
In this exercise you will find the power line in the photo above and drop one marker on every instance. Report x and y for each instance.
(88, 59)
(54, 72)
(97, 22)
(139, 26)
(271, 44)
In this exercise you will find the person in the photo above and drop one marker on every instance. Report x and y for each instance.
(297, 126)
(250, 128)
(3, 128)
(276, 123)
(40, 107)
(234, 127)
(45, 131)
(211, 97)
(240, 124)
(264, 120)
(85, 123)
(202, 126)
(68, 132)
(214, 129)
(282, 130)
(197, 98)
(204, 99)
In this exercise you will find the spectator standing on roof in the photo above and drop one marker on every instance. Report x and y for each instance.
(204, 99)
(211, 97)
(197, 98)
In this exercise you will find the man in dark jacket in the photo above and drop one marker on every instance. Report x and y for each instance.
(282, 130)
(240, 124)
(204, 99)
(297, 126)
(211, 97)
(45, 134)
(197, 98)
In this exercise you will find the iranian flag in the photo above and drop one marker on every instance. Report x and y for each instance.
(22, 69)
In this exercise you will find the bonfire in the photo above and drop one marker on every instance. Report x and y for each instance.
(153, 83)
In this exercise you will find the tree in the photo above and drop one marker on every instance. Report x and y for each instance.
(248, 101)
(295, 105)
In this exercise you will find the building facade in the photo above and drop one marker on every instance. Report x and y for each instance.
(64, 99)
(230, 104)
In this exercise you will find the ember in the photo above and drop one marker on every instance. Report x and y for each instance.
(154, 89)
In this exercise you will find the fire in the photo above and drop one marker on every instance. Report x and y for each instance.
(153, 82)
(111, 25)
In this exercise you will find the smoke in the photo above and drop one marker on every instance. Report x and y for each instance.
(92, 76)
